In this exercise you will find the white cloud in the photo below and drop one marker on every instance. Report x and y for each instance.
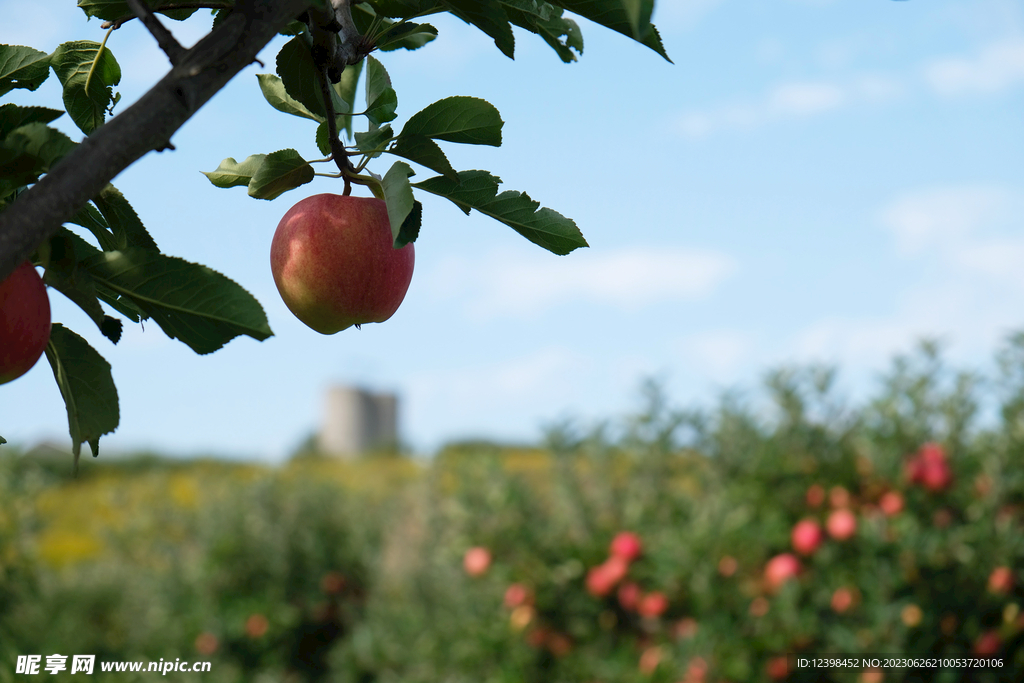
(719, 353)
(996, 67)
(529, 283)
(791, 100)
(802, 99)
(968, 293)
(945, 216)
(509, 395)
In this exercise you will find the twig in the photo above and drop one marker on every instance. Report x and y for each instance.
(338, 151)
(163, 37)
(118, 23)
(146, 125)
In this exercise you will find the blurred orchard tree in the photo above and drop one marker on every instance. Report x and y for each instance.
(56, 196)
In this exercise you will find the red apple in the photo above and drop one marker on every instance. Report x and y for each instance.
(476, 561)
(335, 265)
(1000, 580)
(842, 599)
(206, 643)
(841, 524)
(988, 643)
(777, 668)
(815, 495)
(649, 660)
(652, 605)
(781, 569)
(516, 594)
(605, 576)
(891, 503)
(685, 628)
(24, 322)
(806, 536)
(839, 497)
(629, 596)
(696, 670)
(930, 468)
(558, 644)
(332, 583)
(256, 625)
(626, 545)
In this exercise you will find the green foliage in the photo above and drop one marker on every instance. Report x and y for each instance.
(354, 571)
(86, 385)
(464, 120)
(124, 270)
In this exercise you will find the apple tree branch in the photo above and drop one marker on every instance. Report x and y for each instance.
(145, 126)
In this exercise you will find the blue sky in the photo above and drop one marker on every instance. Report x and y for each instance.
(812, 181)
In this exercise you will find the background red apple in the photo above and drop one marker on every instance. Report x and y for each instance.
(841, 524)
(24, 322)
(652, 605)
(988, 643)
(930, 468)
(335, 265)
(476, 561)
(806, 536)
(1000, 580)
(815, 495)
(842, 599)
(781, 569)
(891, 503)
(626, 545)
(629, 595)
(516, 594)
(605, 576)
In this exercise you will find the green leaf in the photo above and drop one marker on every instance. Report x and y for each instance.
(22, 67)
(410, 229)
(402, 8)
(372, 143)
(322, 142)
(91, 219)
(346, 90)
(383, 108)
(631, 18)
(398, 195)
(479, 190)
(467, 120)
(406, 35)
(301, 78)
(29, 151)
(87, 74)
(489, 17)
(12, 116)
(381, 99)
(123, 221)
(280, 171)
(111, 10)
(75, 283)
(190, 302)
(87, 386)
(275, 93)
(231, 173)
(546, 20)
(84, 251)
(2, 441)
(425, 152)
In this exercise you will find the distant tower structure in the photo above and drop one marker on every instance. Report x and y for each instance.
(357, 421)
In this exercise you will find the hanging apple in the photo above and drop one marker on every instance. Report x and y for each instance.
(335, 265)
(24, 322)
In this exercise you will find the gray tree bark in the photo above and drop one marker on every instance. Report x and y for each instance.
(145, 126)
